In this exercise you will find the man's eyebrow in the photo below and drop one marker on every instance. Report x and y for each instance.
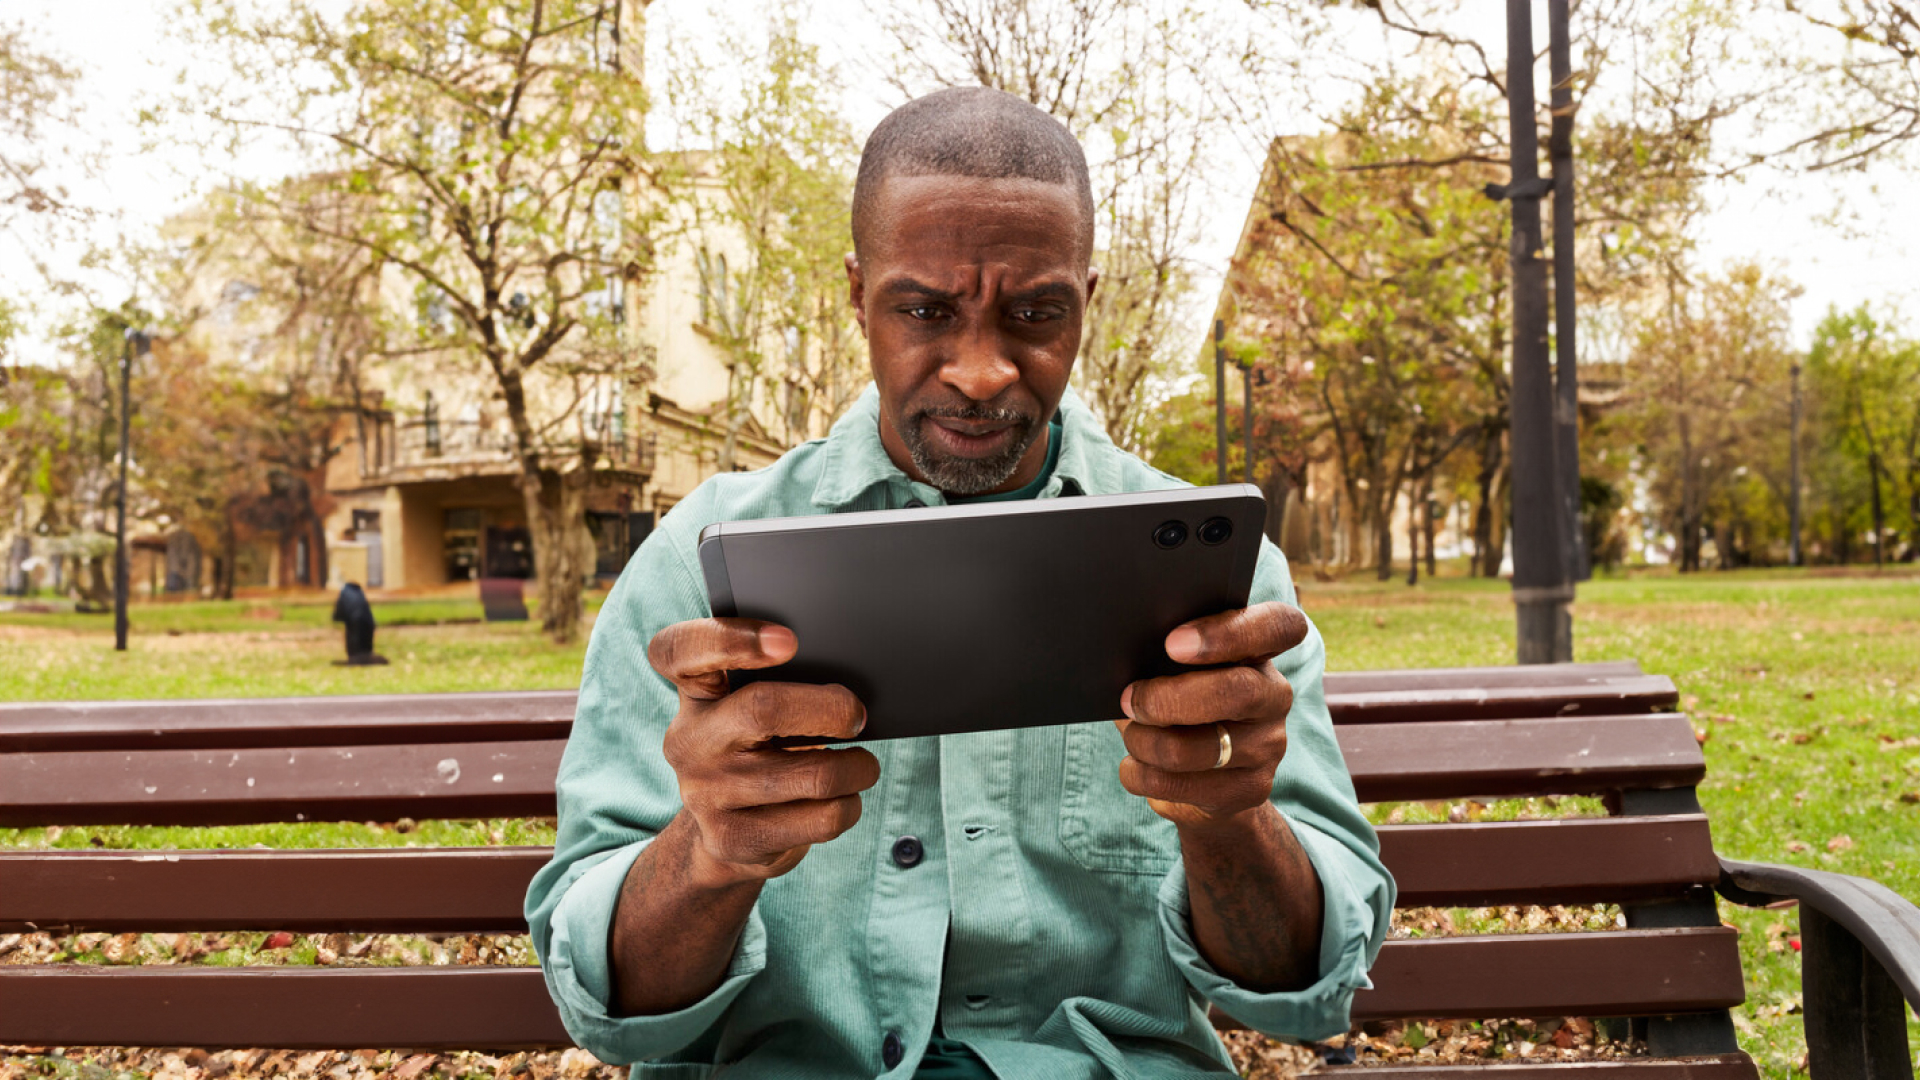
(902, 287)
(1051, 290)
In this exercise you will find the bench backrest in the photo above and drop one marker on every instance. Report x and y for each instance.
(1439, 735)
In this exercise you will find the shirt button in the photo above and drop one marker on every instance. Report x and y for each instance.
(907, 852)
(891, 1050)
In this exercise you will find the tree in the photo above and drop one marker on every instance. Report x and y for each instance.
(488, 156)
(1708, 393)
(764, 209)
(1122, 75)
(35, 92)
(1864, 381)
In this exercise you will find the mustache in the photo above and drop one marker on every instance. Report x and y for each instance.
(980, 413)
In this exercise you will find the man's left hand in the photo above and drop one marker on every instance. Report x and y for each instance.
(1175, 725)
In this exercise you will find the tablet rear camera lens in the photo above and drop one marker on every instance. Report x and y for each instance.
(1215, 531)
(1171, 535)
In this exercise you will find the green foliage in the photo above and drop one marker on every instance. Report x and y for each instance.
(1863, 389)
(1710, 373)
(763, 213)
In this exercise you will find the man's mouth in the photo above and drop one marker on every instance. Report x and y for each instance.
(969, 438)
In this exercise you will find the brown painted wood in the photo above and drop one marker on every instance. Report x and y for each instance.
(1424, 694)
(1623, 973)
(1502, 676)
(446, 1008)
(1484, 758)
(223, 787)
(1571, 756)
(358, 720)
(1617, 973)
(1601, 860)
(472, 890)
(1454, 695)
(395, 890)
(1722, 1067)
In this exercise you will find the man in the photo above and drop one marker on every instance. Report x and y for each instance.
(1054, 902)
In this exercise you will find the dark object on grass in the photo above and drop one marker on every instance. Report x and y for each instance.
(352, 608)
(502, 600)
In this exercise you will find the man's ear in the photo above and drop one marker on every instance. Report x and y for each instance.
(1093, 282)
(857, 291)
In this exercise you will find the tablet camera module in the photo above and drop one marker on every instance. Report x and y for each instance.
(1171, 534)
(1215, 531)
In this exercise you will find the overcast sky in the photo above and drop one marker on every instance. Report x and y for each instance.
(122, 49)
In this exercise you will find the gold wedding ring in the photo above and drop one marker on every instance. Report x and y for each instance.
(1226, 747)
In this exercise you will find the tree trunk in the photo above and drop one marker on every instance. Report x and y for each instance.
(556, 512)
(1426, 511)
(1413, 534)
(1383, 535)
(1486, 551)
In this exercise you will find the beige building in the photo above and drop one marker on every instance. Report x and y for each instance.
(424, 484)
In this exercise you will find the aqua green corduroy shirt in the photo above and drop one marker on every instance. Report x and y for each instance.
(1062, 895)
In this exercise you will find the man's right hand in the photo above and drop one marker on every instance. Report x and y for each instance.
(756, 808)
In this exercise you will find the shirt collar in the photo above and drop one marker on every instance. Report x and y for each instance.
(856, 461)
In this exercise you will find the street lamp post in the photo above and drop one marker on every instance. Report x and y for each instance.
(1220, 395)
(137, 343)
(1542, 584)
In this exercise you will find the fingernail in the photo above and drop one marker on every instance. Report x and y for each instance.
(1183, 643)
(1126, 701)
(778, 641)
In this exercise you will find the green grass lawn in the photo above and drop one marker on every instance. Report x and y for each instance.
(1807, 688)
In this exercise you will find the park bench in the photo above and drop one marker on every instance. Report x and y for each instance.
(1454, 734)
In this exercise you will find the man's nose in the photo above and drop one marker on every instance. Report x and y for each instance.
(980, 366)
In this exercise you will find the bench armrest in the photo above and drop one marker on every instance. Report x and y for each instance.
(1860, 949)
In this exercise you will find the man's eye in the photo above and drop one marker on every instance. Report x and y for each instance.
(1032, 315)
(923, 312)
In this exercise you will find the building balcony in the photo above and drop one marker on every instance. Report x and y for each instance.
(431, 450)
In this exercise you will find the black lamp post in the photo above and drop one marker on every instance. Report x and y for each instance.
(138, 344)
(1542, 571)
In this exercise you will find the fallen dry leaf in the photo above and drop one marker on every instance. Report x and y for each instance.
(279, 939)
(1796, 846)
(1843, 842)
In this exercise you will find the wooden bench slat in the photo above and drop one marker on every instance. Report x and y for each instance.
(1621, 973)
(1505, 758)
(1582, 861)
(232, 787)
(1611, 696)
(236, 723)
(1614, 973)
(479, 890)
(498, 716)
(379, 890)
(1525, 676)
(1720, 1067)
(515, 779)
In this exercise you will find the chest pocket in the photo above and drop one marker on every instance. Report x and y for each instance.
(1103, 825)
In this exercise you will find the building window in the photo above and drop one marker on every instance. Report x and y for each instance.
(430, 425)
(302, 561)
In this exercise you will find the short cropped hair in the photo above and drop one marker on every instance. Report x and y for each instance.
(971, 131)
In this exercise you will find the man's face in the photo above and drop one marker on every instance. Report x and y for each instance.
(971, 293)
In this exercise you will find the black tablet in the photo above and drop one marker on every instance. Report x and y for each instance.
(996, 615)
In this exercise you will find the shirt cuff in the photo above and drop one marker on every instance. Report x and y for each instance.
(580, 977)
(1320, 1011)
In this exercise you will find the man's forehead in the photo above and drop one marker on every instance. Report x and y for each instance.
(1005, 219)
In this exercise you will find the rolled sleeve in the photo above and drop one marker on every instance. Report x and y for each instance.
(1319, 1011)
(580, 978)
